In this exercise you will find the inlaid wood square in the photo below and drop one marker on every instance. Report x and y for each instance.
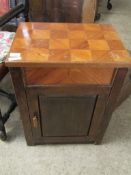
(98, 45)
(79, 43)
(59, 44)
(59, 34)
(68, 43)
(40, 34)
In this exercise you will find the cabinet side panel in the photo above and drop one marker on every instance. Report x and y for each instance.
(18, 84)
(110, 105)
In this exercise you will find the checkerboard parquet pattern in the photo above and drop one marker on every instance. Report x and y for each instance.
(56, 42)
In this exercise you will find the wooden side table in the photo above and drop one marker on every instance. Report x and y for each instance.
(67, 80)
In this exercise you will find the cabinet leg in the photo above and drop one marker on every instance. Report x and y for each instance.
(102, 118)
(17, 79)
(98, 141)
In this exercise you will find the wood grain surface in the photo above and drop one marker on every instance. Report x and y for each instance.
(64, 44)
(54, 76)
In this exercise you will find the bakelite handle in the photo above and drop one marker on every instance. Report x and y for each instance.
(35, 121)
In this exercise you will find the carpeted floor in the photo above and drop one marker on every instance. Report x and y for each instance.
(113, 157)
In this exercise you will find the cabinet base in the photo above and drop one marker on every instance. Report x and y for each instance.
(62, 140)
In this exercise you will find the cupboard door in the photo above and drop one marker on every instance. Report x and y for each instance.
(66, 115)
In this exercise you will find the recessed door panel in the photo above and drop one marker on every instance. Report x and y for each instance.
(65, 115)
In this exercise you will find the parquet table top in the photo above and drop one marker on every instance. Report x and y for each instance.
(65, 44)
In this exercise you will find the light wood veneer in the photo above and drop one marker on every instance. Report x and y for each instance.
(55, 76)
(64, 44)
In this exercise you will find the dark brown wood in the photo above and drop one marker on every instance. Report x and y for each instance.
(63, 140)
(101, 126)
(37, 10)
(126, 89)
(125, 93)
(69, 89)
(66, 116)
(33, 103)
(17, 80)
(62, 10)
(3, 71)
(98, 116)
(41, 99)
